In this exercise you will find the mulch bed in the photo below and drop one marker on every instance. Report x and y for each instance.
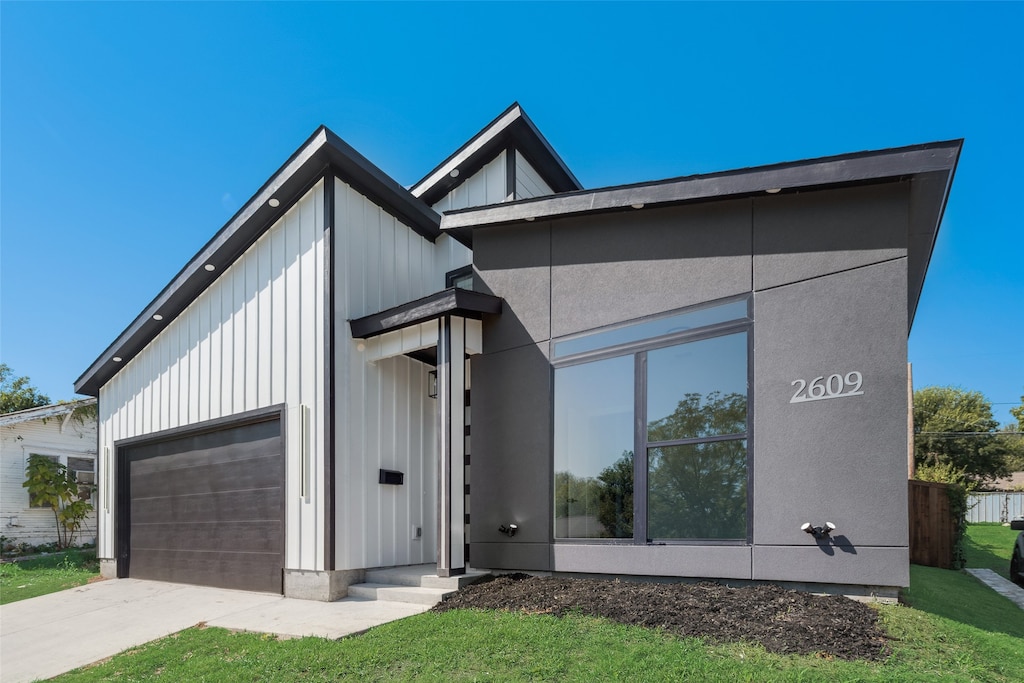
(783, 621)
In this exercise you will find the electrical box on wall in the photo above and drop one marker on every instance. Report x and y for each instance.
(392, 477)
(417, 532)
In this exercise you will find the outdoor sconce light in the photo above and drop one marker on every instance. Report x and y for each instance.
(508, 529)
(819, 531)
(432, 384)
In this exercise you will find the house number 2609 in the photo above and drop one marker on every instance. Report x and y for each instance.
(833, 386)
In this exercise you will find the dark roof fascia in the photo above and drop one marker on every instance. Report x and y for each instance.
(845, 169)
(451, 301)
(323, 152)
(511, 128)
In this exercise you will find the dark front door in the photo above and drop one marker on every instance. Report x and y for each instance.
(207, 508)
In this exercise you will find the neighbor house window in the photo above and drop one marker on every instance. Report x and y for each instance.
(651, 429)
(83, 471)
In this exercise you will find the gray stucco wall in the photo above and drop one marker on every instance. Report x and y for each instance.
(827, 271)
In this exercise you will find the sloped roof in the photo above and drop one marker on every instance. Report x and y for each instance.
(41, 412)
(512, 128)
(931, 166)
(323, 152)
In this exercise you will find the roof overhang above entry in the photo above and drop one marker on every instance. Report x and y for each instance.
(930, 167)
(452, 301)
(323, 153)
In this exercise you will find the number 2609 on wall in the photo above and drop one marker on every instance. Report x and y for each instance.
(833, 386)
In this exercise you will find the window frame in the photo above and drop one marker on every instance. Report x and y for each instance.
(638, 350)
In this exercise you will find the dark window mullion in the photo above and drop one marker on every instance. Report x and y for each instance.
(698, 440)
(640, 450)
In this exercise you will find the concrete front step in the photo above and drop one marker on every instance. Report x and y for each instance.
(416, 595)
(424, 576)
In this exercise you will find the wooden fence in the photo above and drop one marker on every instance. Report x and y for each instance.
(932, 527)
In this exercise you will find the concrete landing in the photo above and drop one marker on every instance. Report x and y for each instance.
(1004, 587)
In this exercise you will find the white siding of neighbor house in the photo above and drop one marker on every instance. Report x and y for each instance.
(253, 339)
(52, 436)
(384, 418)
(486, 186)
(528, 181)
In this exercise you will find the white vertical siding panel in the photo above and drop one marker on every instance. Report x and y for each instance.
(215, 374)
(486, 186)
(528, 181)
(203, 343)
(227, 343)
(240, 332)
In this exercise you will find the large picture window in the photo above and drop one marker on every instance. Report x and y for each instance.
(651, 434)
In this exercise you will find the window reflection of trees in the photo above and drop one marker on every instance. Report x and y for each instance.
(695, 490)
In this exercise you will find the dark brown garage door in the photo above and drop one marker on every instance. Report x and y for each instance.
(207, 508)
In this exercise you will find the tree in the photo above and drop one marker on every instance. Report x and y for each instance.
(17, 393)
(1018, 413)
(51, 484)
(954, 428)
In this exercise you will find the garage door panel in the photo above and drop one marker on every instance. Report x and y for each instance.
(257, 536)
(202, 507)
(155, 459)
(250, 473)
(208, 508)
(222, 570)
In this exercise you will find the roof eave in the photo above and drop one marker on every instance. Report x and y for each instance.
(323, 152)
(41, 412)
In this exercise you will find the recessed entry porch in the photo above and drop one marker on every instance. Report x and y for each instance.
(442, 330)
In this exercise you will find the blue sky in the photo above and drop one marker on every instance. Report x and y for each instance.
(131, 132)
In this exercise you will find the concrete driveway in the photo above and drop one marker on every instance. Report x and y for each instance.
(49, 635)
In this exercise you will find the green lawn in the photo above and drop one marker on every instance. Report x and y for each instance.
(48, 574)
(956, 630)
(989, 546)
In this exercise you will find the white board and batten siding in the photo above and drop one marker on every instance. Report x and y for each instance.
(486, 186)
(528, 181)
(383, 416)
(253, 339)
(53, 436)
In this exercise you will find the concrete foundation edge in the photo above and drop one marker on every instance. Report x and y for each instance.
(325, 586)
(108, 568)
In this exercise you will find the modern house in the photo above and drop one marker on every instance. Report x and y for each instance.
(496, 366)
(64, 432)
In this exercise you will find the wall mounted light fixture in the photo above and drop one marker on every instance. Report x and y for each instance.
(508, 529)
(819, 532)
(432, 384)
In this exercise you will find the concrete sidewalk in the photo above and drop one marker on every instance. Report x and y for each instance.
(1004, 587)
(49, 635)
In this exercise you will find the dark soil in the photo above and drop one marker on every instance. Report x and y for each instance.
(783, 621)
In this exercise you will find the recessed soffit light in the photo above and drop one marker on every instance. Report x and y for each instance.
(117, 359)
(454, 173)
(210, 267)
(774, 190)
(157, 316)
(637, 206)
(274, 202)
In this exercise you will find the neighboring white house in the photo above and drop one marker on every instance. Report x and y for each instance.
(63, 432)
